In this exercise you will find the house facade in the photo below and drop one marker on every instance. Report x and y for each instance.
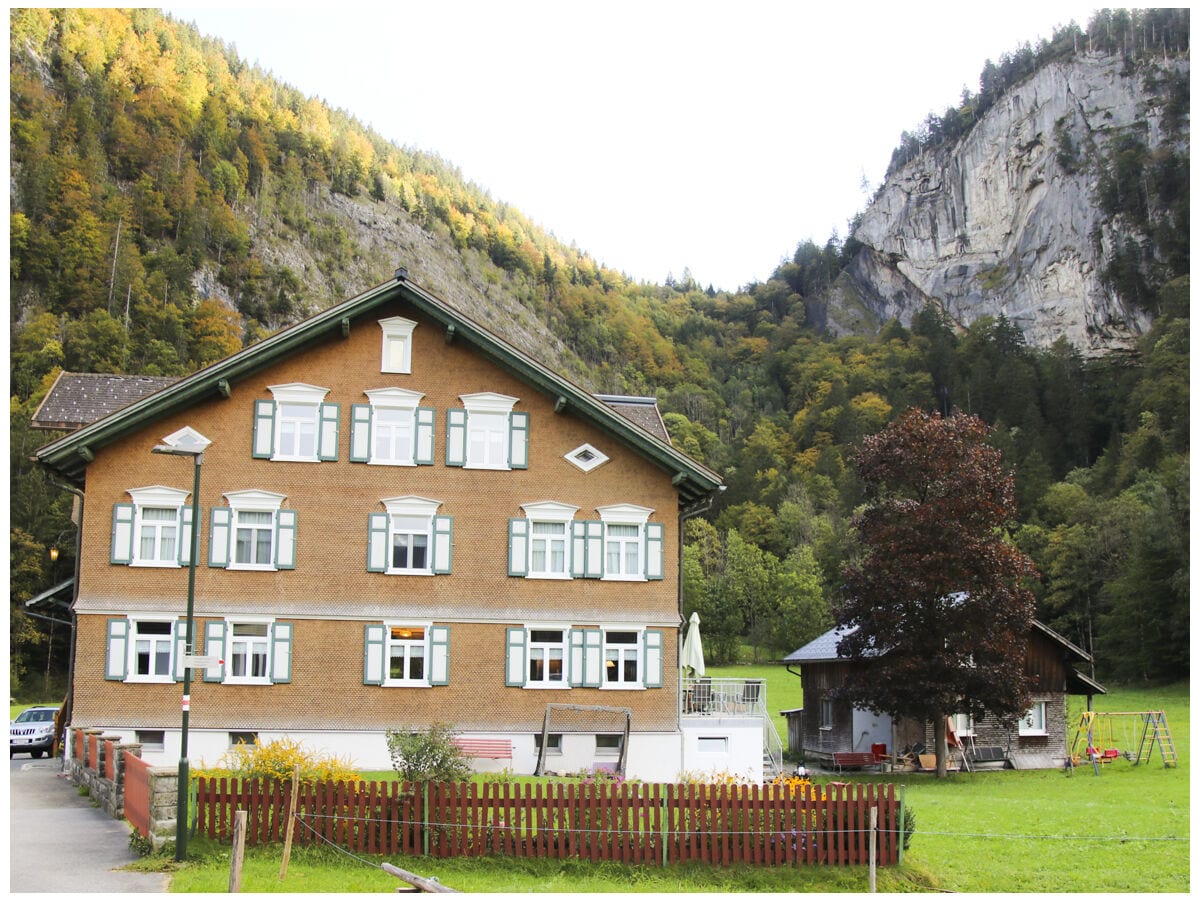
(403, 520)
(828, 724)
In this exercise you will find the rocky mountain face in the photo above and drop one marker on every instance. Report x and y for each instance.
(996, 224)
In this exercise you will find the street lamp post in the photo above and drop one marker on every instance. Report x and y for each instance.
(196, 452)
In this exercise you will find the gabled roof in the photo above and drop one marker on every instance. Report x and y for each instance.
(75, 400)
(68, 456)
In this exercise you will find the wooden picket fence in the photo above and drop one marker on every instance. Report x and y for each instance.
(654, 824)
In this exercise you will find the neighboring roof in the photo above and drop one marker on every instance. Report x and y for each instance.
(825, 649)
(69, 456)
(75, 400)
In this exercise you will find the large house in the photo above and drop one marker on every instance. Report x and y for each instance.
(403, 520)
(828, 724)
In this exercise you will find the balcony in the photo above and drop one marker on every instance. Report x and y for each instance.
(724, 697)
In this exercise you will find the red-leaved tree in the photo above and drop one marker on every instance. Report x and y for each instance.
(940, 617)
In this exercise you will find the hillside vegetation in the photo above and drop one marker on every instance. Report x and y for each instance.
(173, 204)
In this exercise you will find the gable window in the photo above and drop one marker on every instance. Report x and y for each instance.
(1033, 723)
(253, 532)
(406, 654)
(538, 544)
(487, 434)
(410, 538)
(144, 648)
(296, 426)
(249, 650)
(392, 430)
(154, 530)
(586, 457)
(397, 344)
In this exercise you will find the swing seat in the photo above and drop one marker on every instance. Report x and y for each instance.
(1104, 756)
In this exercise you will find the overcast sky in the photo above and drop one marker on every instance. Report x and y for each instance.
(653, 135)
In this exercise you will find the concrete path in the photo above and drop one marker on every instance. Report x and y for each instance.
(60, 843)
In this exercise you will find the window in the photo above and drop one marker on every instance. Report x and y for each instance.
(632, 546)
(1034, 721)
(622, 658)
(249, 738)
(405, 654)
(586, 457)
(964, 725)
(296, 426)
(249, 650)
(144, 648)
(392, 430)
(609, 744)
(538, 544)
(487, 434)
(397, 344)
(152, 739)
(547, 658)
(253, 532)
(551, 655)
(826, 714)
(410, 538)
(712, 745)
(553, 743)
(154, 530)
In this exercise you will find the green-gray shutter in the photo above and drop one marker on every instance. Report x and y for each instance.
(327, 431)
(518, 440)
(652, 657)
(443, 534)
(374, 640)
(586, 657)
(423, 446)
(439, 652)
(181, 646)
(654, 551)
(185, 537)
(263, 446)
(220, 519)
(121, 552)
(360, 432)
(456, 437)
(214, 646)
(377, 542)
(285, 539)
(578, 557)
(518, 547)
(116, 655)
(514, 667)
(281, 652)
(595, 549)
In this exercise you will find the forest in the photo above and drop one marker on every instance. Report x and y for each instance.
(163, 190)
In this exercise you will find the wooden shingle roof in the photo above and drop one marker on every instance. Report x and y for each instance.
(75, 399)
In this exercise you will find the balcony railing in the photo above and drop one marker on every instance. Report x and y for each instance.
(724, 697)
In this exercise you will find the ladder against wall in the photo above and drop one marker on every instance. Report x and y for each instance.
(1156, 732)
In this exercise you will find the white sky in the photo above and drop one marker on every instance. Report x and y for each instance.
(654, 135)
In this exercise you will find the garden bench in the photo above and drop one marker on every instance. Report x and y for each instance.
(854, 760)
(485, 748)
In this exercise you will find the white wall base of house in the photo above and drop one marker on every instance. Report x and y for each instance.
(733, 745)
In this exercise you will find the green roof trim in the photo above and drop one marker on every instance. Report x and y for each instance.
(68, 456)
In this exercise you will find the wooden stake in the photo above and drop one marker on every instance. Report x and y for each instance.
(291, 819)
(239, 851)
(871, 851)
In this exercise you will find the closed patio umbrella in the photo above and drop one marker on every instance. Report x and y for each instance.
(693, 652)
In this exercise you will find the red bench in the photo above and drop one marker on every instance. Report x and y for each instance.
(485, 748)
(854, 760)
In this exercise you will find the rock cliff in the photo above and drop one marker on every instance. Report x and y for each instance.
(1002, 222)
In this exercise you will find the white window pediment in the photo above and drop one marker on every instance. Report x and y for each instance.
(411, 506)
(396, 398)
(550, 511)
(488, 401)
(265, 500)
(297, 392)
(158, 495)
(624, 514)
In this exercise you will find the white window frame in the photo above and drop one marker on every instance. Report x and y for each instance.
(712, 744)
(964, 725)
(549, 512)
(1033, 723)
(543, 649)
(231, 652)
(159, 497)
(405, 403)
(396, 355)
(603, 750)
(490, 415)
(253, 502)
(410, 508)
(625, 514)
(172, 639)
(585, 457)
(297, 395)
(391, 640)
(624, 651)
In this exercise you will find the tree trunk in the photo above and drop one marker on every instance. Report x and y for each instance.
(939, 744)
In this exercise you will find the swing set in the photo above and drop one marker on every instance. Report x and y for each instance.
(1096, 739)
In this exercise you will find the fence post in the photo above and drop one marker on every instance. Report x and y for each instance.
(666, 823)
(872, 834)
(425, 820)
(900, 828)
(239, 851)
(291, 815)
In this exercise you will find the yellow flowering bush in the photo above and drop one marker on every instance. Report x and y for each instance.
(277, 759)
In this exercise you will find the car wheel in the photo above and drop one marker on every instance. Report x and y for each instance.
(36, 754)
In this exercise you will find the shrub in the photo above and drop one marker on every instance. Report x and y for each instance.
(277, 759)
(427, 754)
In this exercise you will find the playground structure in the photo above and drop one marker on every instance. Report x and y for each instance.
(1097, 732)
